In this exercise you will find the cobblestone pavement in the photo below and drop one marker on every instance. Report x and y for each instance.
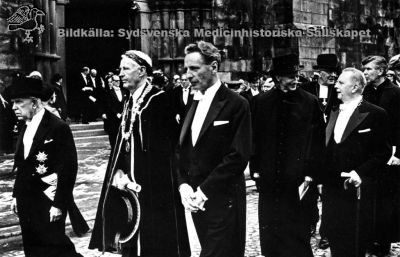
(92, 163)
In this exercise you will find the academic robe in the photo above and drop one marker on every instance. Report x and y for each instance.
(162, 227)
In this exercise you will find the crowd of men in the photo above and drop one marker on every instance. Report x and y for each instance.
(336, 136)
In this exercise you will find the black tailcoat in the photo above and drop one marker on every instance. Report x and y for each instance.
(112, 107)
(365, 148)
(216, 165)
(288, 142)
(162, 227)
(180, 107)
(7, 122)
(60, 103)
(52, 152)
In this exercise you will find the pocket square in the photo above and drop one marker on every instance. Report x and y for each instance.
(220, 122)
(48, 141)
(364, 130)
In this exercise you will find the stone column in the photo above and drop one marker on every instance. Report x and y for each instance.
(53, 27)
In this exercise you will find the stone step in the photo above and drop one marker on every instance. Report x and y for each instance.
(90, 139)
(91, 125)
(88, 133)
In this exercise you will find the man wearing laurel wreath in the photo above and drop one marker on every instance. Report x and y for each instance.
(46, 165)
(139, 213)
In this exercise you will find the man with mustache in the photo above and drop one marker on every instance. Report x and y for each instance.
(288, 138)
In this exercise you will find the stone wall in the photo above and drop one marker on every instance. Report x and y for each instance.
(46, 49)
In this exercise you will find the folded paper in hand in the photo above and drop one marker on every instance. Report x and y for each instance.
(303, 190)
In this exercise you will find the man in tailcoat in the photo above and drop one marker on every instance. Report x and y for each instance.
(113, 107)
(328, 67)
(214, 148)
(141, 162)
(60, 103)
(357, 146)
(7, 122)
(182, 98)
(383, 93)
(46, 175)
(288, 141)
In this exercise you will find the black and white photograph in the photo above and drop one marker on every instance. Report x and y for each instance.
(200, 128)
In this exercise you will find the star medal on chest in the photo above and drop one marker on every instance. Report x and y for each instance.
(41, 157)
(41, 169)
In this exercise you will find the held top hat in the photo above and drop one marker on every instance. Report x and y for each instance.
(23, 87)
(285, 65)
(122, 214)
(327, 62)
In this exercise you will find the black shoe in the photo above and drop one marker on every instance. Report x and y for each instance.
(323, 243)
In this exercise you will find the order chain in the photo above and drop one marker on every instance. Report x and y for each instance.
(135, 110)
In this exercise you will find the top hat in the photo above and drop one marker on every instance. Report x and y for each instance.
(327, 62)
(122, 214)
(285, 65)
(253, 77)
(23, 87)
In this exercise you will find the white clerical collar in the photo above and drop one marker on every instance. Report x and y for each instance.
(36, 119)
(209, 93)
(138, 92)
(352, 105)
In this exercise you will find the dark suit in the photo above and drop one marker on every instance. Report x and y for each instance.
(7, 122)
(247, 95)
(216, 164)
(75, 97)
(387, 96)
(179, 105)
(325, 104)
(288, 142)
(41, 237)
(112, 107)
(60, 104)
(365, 148)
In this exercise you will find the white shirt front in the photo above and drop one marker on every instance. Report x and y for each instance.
(185, 95)
(118, 93)
(137, 93)
(93, 81)
(202, 110)
(345, 112)
(31, 128)
(84, 78)
(254, 92)
(323, 92)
